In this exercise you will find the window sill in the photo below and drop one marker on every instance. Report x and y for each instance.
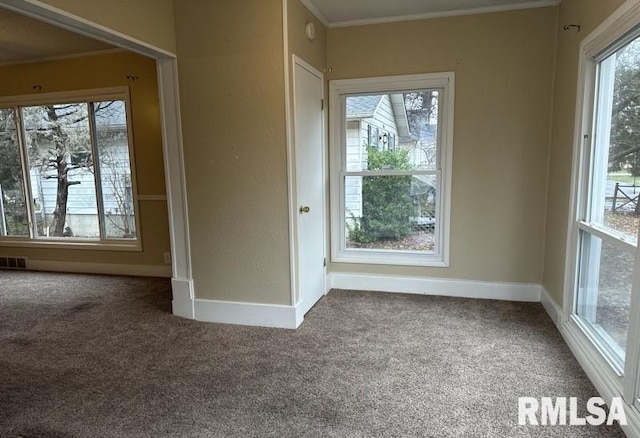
(382, 257)
(135, 246)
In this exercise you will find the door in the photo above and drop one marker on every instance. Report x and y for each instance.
(309, 153)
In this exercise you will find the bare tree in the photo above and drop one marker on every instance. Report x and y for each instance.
(54, 133)
(59, 143)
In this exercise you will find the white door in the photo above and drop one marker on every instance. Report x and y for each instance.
(309, 153)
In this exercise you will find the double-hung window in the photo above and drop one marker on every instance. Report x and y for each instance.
(604, 278)
(391, 148)
(66, 170)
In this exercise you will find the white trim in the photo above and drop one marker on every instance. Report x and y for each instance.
(251, 314)
(338, 170)
(60, 243)
(174, 170)
(437, 286)
(99, 268)
(152, 198)
(613, 237)
(551, 307)
(291, 162)
(430, 15)
(182, 303)
(315, 12)
(388, 257)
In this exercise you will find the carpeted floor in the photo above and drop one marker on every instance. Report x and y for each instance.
(99, 356)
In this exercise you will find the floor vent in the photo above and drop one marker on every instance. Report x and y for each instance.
(13, 263)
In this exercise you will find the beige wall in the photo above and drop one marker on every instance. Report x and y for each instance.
(589, 14)
(314, 52)
(503, 64)
(98, 72)
(150, 21)
(231, 69)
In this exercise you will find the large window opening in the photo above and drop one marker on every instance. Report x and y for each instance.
(392, 138)
(605, 284)
(66, 169)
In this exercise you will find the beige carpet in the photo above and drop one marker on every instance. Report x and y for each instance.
(98, 356)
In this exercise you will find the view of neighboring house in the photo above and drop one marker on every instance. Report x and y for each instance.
(381, 122)
(99, 187)
(82, 205)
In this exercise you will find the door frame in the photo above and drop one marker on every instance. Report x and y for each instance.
(296, 298)
(172, 147)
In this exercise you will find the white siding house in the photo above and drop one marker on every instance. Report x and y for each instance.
(82, 204)
(378, 121)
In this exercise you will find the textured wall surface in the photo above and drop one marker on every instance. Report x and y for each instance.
(503, 64)
(589, 14)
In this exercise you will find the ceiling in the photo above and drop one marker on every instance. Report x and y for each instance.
(24, 39)
(336, 13)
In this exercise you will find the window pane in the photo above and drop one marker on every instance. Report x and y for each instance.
(618, 135)
(60, 167)
(14, 219)
(392, 131)
(604, 292)
(391, 212)
(115, 169)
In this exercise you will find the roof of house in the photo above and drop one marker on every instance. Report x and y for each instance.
(362, 106)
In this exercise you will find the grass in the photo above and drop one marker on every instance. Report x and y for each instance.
(623, 178)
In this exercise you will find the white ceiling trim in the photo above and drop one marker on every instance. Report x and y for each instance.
(429, 15)
(312, 8)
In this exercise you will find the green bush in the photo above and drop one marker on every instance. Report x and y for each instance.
(387, 205)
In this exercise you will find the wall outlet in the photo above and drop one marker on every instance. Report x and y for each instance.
(167, 258)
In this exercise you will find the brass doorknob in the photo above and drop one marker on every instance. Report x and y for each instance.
(304, 209)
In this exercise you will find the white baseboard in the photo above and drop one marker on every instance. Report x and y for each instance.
(253, 314)
(437, 286)
(182, 302)
(100, 268)
(553, 310)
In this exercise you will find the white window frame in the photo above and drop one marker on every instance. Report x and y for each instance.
(613, 33)
(338, 89)
(108, 244)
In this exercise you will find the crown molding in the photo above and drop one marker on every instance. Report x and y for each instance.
(428, 15)
(316, 13)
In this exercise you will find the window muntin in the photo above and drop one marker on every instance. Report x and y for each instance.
(393, 137)
(75, 160)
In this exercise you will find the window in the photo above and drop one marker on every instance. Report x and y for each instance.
(609, 224)
(391, 143)
(66, 170)
(604, 274)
